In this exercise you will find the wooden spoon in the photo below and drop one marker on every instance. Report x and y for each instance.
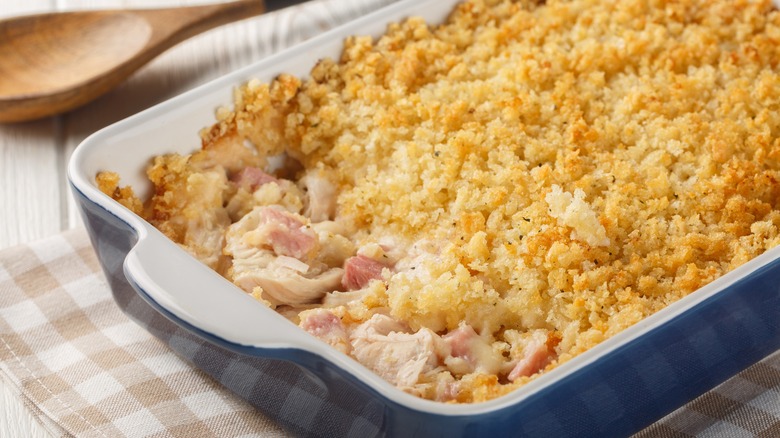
(52, 63)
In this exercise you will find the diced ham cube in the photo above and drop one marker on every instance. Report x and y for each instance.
(470, 352)
(536, 355)
(286, 234)
(274, 253)
(447, 391)
(321, 322)
(359, 270)
(460, 341)
(326, 326)
(251, 178)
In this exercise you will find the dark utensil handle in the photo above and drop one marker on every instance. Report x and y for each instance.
(275, 5)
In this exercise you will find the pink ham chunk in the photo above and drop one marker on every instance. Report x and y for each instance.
(359, 270)
(447, 391)
(470, 352)
(286, 234)
(536, 356)
(275, 251)
(460, 341)
(251, 178)
(327, 327)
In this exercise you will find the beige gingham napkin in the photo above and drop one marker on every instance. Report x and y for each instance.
(85, 369)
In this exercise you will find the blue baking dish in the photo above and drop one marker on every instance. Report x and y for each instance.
(615, 389)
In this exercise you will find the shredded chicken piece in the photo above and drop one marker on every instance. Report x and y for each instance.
(281, 285)
(335, 299)
(320, 203)
(398, 357)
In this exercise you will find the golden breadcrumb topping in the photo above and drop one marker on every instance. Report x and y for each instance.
(572, 166)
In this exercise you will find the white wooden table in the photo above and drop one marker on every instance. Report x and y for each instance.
(34, 197)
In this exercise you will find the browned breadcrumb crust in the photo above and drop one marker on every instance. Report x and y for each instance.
(108, 183)
(584, 163)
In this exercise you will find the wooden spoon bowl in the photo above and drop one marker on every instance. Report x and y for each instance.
(52, 63)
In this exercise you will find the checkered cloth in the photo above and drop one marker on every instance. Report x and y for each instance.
(85, 369)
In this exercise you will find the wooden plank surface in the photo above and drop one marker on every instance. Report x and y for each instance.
(31, 194)
(30, 158)
(34, 198)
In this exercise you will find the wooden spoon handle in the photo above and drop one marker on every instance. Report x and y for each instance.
(174, 25)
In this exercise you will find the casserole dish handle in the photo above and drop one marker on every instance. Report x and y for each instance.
(182, 287)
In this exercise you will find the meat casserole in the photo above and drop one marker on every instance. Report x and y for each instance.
(463, 207)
